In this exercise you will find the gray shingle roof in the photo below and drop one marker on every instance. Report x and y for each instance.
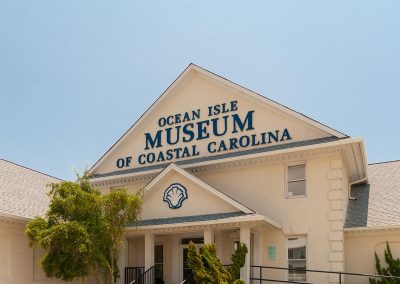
(378, 201)
(23, 191)
(187, 219)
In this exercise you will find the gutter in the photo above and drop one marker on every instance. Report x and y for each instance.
(353, 183)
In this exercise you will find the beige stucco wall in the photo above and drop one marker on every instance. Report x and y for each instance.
(319, 216)
(136, 252)
(360, 250)
(19, 263)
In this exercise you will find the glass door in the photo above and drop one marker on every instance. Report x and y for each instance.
(158, 263)
(185, 260)
(186, 270)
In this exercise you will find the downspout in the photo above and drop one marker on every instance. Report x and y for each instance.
(353, 183)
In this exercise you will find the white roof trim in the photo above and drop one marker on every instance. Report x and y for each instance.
(372, 229)
(194, 68)
(202, 184)
(342, 142)
(248, 218)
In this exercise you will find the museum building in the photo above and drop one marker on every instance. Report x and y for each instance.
(218, 163)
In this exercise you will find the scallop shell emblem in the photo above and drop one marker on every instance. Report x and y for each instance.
(174, 195)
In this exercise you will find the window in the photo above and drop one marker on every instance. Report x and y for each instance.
(296, 178)
(297, 259)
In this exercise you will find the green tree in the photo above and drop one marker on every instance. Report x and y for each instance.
(238, 259)
(82, 231)
(392, 269)
(208, 268)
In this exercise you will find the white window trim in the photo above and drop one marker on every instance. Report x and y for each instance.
(287, 253)
(287, 179)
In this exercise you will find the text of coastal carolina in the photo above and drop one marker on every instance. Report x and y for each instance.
(221, 120)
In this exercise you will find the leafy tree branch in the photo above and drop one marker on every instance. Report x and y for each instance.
(82, 231)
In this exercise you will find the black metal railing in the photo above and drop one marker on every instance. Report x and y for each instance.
(132, 274)
(189, 278)
(259, 274)
(147, 277)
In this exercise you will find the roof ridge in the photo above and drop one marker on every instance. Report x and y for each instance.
(269, 99)
(30, 169)
(384, 162)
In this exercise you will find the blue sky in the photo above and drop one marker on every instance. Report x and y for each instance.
(74, 75)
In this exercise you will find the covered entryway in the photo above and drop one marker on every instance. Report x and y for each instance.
(225, 230)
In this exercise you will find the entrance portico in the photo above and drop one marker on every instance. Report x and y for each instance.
(223, 229)
(177, 208)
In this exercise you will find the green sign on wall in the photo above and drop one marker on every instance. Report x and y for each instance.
(272, 252)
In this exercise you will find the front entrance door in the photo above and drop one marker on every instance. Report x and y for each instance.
(186, 269)
(185, 260)
(159, 263)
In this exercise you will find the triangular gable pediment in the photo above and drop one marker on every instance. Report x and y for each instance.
(202, 114)
(176, 192)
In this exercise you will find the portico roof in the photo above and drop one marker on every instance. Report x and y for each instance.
(221, 220)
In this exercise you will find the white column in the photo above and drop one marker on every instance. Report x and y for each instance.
(218, 243)
(245, 238)
(148, 250)
(176, 266)
(258, 248)
(208, 235)
(123, 260)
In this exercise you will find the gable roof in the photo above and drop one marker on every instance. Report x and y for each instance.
(23, 191)
(377, 201)
(218, 194)
(188, 73)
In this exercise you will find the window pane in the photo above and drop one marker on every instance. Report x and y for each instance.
(297, 248)
(296, 172)
(297, 259)
(297, 253)
(298, 274)
(297, 188)
(158, 254)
